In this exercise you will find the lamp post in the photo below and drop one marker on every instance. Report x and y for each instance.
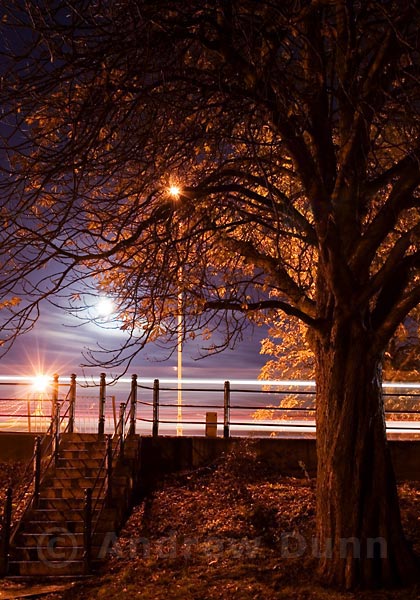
(180, 326)
(175, 191)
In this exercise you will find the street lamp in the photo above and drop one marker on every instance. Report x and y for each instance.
(175, 192)
(180, 328)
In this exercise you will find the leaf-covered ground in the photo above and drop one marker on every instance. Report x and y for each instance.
(234, 530)
(10, 476)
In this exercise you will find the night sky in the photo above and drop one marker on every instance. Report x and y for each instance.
(58, 340)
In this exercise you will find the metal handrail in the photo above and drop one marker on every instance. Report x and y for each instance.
(26, 498)
(114, 456)
(32, 477)
(234, 399)
(99, 496)
(231, 402)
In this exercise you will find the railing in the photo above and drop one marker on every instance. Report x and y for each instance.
(96, 498)
(158, 410)
(243, 407)
(5, 532)
(12, 409)
(44, 448)
(162, 412)
(23, 409)
(100, 496)
(229, 407)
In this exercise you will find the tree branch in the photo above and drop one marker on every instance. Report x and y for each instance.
(235, 305)
(407, 301)
(400, 198)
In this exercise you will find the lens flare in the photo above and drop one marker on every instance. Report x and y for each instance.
(174, 191)
(40, 383)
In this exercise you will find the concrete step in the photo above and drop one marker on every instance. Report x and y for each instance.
(67, 503)
(78, 470)
(57, 568)
(62, 517)
(60, 536)
(79, 449)
(52, 552)
(77, 481)
(69, 493)
(49, 489)
(82, 437)
(77, 444)
(40, 527)
(86, 461)
(54, 513)
(51, 538)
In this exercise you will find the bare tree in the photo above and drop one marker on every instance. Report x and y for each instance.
(292, 131)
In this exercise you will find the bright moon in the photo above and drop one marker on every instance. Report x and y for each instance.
(105, 307)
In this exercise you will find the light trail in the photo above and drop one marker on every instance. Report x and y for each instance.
(249, 400)
(298, 383)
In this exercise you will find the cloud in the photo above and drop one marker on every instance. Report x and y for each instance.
(58, 341)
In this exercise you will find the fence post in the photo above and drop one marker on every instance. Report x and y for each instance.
(102, 399)
(56, 431)
(54, 395)
(37, 471)
(109, 470)
(28, 403)
(87, 531)
(114, 412)
(121, 428)
(133, 405)
(155, 427)
(226, 411)
(72, 402)
(5, 540)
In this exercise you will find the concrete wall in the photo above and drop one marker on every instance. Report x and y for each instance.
(291, 457)
(168, 454)
(16, 446)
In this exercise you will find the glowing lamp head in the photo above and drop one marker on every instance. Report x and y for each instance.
(40, 383)
(174, 191)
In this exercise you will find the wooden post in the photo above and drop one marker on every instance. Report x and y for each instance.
(109, 470)
(5, 540)
(54, 398)
(226, 411)
(121, 428)
(211, 424)
(133, 405)
(72, 402)
(87, 531)
(29, 414)
(155, 426)
(56, 431)
(114, 412)
(37, 471)
(102, 399)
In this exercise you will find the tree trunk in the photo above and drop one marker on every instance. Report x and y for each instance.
(359, 535)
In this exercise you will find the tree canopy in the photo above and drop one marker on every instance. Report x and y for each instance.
(292, 132)
(290, 355)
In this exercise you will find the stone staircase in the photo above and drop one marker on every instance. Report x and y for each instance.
(51, 539)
